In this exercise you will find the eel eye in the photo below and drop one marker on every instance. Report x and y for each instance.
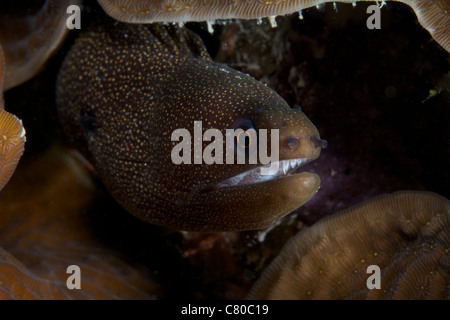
(244, 138)
(244, 124)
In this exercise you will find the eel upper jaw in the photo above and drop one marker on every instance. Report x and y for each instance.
(279, 169)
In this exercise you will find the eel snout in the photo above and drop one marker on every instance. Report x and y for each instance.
(297, 147)
(256, 198)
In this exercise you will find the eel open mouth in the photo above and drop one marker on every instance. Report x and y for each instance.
(271, 171)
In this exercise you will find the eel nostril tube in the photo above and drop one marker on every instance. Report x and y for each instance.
(321, 143)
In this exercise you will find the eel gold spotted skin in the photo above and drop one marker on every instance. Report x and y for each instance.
(122, 91)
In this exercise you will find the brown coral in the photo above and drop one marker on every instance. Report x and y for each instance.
(45, 229)
(30, 36)
(406, 234)
(432, 14)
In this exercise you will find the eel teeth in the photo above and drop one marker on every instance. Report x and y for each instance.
(278, 168)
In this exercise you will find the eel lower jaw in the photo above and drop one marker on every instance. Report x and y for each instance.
(274, 170)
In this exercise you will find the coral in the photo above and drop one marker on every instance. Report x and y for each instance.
(405, 234)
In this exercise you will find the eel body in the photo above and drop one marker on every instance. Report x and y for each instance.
(124, 89)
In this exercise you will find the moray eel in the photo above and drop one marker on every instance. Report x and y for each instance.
(123, 90)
